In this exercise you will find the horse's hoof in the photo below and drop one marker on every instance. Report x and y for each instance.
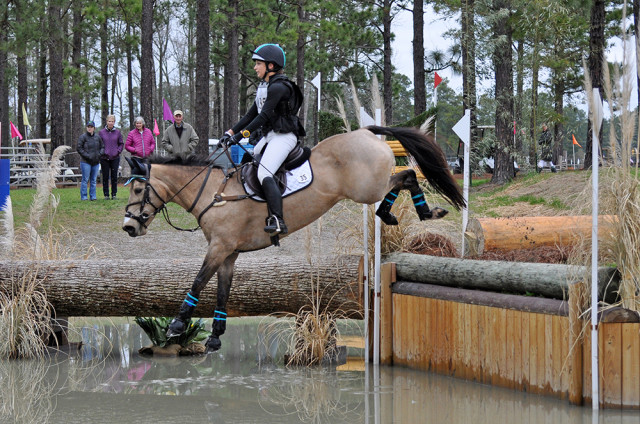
(212, 344)
(176, 327)
(438, 213)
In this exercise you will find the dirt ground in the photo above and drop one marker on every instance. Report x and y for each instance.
(335, 233)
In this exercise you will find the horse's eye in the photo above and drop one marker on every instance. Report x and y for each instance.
(145, 215)
(137, 191)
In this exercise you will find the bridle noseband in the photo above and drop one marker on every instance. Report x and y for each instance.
(143, 217)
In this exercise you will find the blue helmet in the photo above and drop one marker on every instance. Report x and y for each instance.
(270, 53)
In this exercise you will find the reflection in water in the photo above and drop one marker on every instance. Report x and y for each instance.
(109, 382)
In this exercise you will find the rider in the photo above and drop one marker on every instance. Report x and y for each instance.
(274, 113)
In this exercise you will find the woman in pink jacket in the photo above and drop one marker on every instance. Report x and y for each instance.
(140, 141)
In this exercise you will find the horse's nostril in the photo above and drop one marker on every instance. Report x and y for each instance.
(130, 230)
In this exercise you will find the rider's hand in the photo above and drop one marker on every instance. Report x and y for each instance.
(224, 140)
(234, 139)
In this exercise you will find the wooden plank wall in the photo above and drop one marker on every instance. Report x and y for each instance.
(513, 349)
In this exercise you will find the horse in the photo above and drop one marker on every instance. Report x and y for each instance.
(356, 165)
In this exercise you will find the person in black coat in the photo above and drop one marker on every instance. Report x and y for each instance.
(90, 149)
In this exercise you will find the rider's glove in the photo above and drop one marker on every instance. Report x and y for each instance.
(224, 140)
(234, 139)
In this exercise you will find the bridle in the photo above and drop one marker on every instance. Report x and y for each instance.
(142, 216)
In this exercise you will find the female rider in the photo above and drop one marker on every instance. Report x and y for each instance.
(274, 113)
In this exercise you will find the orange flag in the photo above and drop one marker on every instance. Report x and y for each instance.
(574, 140)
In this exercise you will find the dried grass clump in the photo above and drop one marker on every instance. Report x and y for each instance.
(25, 394)
(25, 317)
(433, 245)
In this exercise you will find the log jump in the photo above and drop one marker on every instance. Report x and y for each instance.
(548, 280)
(151, 287)
(492, 234)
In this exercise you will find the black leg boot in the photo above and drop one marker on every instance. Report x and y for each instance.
(420, 204)
(218, 328)
(384, 210)
(179, 324)
(275, 222)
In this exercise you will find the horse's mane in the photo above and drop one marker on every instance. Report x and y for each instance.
(192, 160)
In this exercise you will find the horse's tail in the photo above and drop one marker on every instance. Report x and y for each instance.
(430, 159)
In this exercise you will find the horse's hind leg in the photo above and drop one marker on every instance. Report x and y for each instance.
(407, 180)
(225, 276)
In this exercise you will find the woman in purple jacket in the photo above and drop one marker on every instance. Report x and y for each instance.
(140, 141)
(110, 161)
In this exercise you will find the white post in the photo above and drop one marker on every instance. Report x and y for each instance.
(365, 248)
(376, 262)
(595, 163)
(463, 129)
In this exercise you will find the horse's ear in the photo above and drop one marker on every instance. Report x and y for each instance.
(138, 166)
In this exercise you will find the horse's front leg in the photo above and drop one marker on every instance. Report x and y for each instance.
(179, 324)
(225, 276)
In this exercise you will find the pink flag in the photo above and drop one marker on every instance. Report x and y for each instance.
(156, 131)
(167, 115)
(436, 80)
(14, 131)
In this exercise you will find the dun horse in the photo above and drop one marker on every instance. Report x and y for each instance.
(355, 165)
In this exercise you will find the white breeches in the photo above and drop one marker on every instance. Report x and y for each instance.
(278, 148)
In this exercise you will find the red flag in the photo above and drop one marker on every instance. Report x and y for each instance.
(14, 131)
(436, 80)
(574, 140)
(514, 127)
(156, 131)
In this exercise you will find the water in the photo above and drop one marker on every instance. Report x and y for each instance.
(109, 382)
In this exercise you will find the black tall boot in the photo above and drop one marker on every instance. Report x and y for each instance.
(179, 324)
(420, 204)
(275, 222)
(384, 210)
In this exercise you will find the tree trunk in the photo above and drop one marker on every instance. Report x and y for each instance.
(202, 76)
(231, 69)
(419, 83)
(21, 59)
(387, 70)
(56, 104)
(502, 62)
(548, 280)
(42, 88)
(491, 234)
(104, 72)
(146, 62)
(300, 52)
(533, 124)
(558, 128)
(519, 96)
(76, 101)
(4, 85)
(156, 288)
(130, 78)
(596, 58)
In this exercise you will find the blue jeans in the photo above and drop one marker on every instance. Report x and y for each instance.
(88, 172)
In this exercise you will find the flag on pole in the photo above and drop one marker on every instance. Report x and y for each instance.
(574, 140)
(156, 130)
(14, 131)
(167, 115)
(436, 80)
(25, 118)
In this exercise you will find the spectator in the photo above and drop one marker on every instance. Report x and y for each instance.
(90, 149)
(546, 152)
(180, 139)
(140, 140)
(110, 161)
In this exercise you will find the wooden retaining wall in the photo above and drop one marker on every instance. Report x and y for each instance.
(517, 342)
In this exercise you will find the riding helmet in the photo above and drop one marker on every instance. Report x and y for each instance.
(270, 53)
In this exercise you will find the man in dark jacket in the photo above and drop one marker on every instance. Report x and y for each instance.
(110, 161)
(546, 152)
(90, 149)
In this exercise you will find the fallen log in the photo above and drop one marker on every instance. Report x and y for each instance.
(491, 234)
(142, 287)
(547, 280)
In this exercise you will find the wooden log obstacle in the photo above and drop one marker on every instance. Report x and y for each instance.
(142, 287)
(492, 234)
(452, 317)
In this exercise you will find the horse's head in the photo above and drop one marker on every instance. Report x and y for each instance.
(144, 201)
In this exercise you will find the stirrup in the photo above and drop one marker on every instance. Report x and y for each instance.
(275, 225)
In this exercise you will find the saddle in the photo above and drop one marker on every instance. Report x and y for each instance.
(297, 157)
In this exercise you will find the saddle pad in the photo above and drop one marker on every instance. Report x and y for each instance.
(297, 179)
